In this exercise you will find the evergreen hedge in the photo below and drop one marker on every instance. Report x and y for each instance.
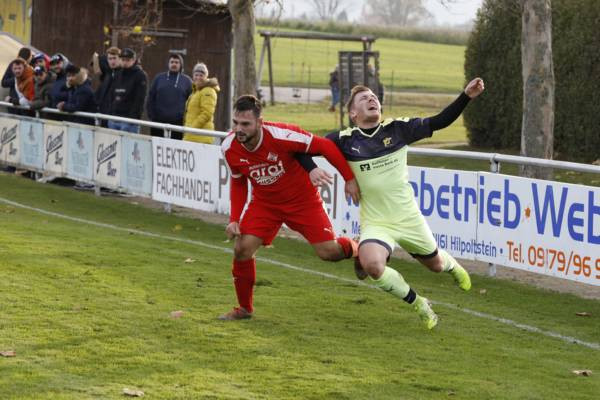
(494, 53)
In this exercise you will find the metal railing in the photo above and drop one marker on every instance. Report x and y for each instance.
(495, 159)
(97, 117)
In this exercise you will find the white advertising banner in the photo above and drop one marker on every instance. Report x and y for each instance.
(136, 176)
(9, 141)
(107, 158)
(55, 140)
(541, 226)
(190, 175)
(81, 153)
(448, 200)
(32, 144)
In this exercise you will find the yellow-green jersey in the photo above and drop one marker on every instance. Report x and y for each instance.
(377, 157)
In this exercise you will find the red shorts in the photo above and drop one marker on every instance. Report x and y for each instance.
(308, 219)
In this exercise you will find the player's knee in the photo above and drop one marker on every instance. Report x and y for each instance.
(373, 267)
(241, 252)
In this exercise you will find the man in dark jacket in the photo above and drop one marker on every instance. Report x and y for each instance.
(128, 92)
(109, 71)
(58, 65)
(43, 85)
(168, 94)
(80, 95)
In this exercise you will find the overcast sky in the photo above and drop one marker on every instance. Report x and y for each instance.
(458, 12)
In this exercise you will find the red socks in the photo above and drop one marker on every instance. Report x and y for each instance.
(349, 246)
(244, 275)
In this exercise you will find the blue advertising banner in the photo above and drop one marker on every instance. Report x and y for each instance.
(32, 144)
(80, 153)
(136, 171)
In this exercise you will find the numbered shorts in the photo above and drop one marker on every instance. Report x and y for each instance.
(309, 219)
(412, 234)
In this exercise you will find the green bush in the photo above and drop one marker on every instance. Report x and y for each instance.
(494, 53)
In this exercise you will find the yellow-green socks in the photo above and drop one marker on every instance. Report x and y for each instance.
(392, 282)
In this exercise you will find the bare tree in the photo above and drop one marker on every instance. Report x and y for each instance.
(242, 13)
(537, 129)
(396, 12)
(328, 9)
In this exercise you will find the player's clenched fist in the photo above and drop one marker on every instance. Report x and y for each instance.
(474, 88)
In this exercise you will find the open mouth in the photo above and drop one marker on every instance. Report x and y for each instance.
(373, 108)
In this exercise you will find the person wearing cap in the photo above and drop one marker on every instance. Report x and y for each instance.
(128, 92)
(200, 106)
(8, 79)
(58, 64)
(80, 94)
(167, 96)
(44, 80)
(41, 59)
(24, 84)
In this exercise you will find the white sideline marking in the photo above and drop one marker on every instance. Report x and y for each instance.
(529, 328)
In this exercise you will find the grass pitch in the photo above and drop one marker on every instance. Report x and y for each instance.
(87, 311)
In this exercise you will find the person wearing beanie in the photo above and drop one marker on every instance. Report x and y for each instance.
(167, 96)
(200, 106)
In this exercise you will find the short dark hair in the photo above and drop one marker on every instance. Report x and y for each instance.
(248, 102)
(355, 90)
(24, 53)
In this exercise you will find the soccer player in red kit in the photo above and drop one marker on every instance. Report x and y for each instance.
(282, 192)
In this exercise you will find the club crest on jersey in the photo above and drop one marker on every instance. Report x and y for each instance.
(387, 141)
(265, 174)
(272, 157)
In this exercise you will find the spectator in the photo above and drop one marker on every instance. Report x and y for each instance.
(58, 64)
(41, 59)
(24, 84)
(200, 106)
(80, 94)
(167, 97)
(8, 79)
(44, 80)
(334, 84)
(128, 92)
(107, 78)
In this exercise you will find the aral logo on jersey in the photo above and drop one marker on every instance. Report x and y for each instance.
(267, 174)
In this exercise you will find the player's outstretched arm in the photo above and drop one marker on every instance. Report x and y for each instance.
(318, 176)
(238, 194)
(453, 111)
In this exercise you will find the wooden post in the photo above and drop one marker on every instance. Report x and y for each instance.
(271, 88)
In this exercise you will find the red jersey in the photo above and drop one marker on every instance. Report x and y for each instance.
(276, 176)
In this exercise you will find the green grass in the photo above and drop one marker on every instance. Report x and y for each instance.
(87, 311)
(418, 66)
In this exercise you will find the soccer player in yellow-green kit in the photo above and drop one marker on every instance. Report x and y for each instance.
(376, 151)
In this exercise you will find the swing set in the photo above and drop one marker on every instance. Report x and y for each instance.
(366, 40)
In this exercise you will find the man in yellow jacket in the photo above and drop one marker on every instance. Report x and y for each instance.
(200, 106)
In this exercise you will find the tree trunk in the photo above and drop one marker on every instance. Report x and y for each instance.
(242, 13)
(537, 130)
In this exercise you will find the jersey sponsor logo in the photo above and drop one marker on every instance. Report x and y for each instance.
(267, 174)
(365, 167)
(387, 141)
(272, 157)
